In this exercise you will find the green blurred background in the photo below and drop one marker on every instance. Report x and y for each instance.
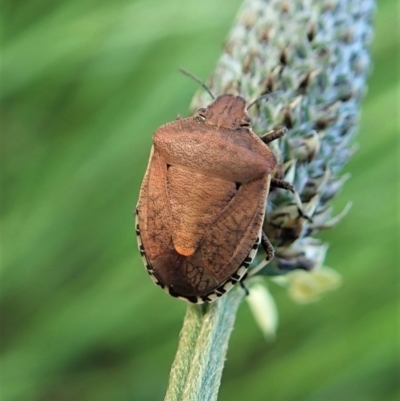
(84, 85)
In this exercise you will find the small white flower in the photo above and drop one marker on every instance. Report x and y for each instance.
(264, 309)
(305, 287)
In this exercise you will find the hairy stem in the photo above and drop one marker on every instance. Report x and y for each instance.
(197, 369)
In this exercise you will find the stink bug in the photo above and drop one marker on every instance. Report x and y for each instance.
(202, 201)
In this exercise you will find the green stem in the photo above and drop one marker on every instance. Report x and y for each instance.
(197, 369)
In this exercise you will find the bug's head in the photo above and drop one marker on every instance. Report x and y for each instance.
(227, 111)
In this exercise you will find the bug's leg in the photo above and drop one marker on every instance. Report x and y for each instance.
(274, 134)
(267, 138)
(244, 286)
(268, 248)
(270, 252)
(276, 183)
(178, 117)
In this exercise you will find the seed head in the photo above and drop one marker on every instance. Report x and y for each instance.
(313, 57)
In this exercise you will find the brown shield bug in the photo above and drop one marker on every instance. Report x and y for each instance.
(202, 201)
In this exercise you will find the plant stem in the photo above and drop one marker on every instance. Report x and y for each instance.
(197, 369)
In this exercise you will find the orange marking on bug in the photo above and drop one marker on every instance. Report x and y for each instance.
(185, 251)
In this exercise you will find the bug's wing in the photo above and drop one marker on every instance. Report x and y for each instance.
(181, 276)
(232, 236)
(154, 215)
(195, 201)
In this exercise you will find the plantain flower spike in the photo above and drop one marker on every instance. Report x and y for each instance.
(312, 57)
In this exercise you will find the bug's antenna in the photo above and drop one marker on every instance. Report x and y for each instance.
(198, 80)
(268, 95)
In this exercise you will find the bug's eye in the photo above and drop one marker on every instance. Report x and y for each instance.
(202, 112)
(246, 122)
